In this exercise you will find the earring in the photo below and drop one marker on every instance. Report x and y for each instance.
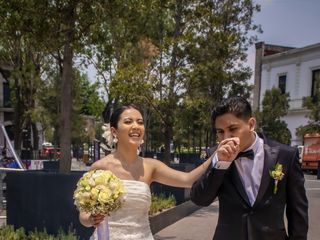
(115, 140)
(139, 148)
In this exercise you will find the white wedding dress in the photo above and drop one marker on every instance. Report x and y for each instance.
(131, 221)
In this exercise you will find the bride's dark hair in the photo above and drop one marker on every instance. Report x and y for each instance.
(114, 119)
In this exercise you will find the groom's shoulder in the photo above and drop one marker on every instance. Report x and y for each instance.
(273, 143)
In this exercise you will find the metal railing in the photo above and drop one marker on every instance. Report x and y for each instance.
(15, 156)
(3, 170)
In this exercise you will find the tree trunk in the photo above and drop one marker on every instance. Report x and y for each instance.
(65, 113)
(193, 139)
(168, 138)
(18, 119)
(200, 140)
(35, 134)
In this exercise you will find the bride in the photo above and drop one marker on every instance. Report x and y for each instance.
(131, 221)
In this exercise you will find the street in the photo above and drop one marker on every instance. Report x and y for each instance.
(313, 194)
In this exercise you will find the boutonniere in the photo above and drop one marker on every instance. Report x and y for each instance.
(277, 174)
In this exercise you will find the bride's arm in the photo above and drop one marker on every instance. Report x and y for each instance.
(168, 176)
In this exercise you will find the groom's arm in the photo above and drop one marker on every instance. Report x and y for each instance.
(206, 188)
(297, 203)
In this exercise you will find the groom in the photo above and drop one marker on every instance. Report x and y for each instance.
(251, 201)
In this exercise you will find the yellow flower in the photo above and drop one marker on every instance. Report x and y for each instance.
(94, 193)
(83, 182)
(100, 180)
(104, 195)
(277, 174)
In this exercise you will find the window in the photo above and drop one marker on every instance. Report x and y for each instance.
(315, 82)
(282, 83)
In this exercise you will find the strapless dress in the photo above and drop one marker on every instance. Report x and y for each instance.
(131, 221)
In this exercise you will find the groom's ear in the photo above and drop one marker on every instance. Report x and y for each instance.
(252, 123)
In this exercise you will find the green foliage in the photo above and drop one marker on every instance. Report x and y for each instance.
(274, 106)
(9, 233)
(161, 202)
(175, 58)
(177, 52)
(309, 128)
(90, 101)
(313, 104)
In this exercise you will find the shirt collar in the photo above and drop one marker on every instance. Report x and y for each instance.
(255, 145)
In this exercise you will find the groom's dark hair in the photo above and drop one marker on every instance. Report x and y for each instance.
(238, 106)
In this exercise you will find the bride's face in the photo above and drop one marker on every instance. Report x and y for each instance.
(130, 127)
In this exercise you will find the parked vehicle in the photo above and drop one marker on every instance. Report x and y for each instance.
(50, 152)
(311, 152)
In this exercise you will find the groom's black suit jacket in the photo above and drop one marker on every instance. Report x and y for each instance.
(238, 220)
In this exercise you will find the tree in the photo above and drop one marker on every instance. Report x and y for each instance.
(274, 106)
(313, 104)
(163, 54)
(198, 50)
(86, 102)
(19, 50)
(60, 29)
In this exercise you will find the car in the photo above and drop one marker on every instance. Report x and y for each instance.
(51, 152)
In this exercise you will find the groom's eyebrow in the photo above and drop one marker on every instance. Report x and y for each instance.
(232, 126)
(228, 127)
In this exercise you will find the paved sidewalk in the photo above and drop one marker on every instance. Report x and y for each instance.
(198, 225)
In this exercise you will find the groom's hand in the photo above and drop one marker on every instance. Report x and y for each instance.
(228, 149)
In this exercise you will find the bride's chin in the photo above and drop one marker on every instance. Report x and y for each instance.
(134, 144)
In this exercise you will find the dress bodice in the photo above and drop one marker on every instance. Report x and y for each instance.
(131, 221)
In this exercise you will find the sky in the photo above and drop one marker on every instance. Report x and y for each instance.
(293, 23)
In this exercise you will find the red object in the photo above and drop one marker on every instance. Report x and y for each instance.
(311, 152)
(50, 152)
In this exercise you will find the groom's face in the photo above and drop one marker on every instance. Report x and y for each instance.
(228, 125)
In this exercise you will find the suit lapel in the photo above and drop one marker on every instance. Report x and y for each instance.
(238, 183)
(270, 159)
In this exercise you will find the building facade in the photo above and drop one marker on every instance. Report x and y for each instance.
(7, 113)
(294, 71)
(6, 110)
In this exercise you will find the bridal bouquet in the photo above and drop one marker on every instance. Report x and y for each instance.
(98, 192)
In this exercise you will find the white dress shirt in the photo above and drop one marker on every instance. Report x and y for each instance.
(250, 171)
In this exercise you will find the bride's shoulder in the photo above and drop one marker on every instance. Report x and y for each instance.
(151, 161)
(103, 163)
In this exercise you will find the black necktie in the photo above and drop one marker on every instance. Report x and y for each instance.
(248, 154)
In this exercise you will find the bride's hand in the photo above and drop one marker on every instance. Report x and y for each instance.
(96, 219)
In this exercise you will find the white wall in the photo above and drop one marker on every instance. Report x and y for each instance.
(295, 120)
(298, 69)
